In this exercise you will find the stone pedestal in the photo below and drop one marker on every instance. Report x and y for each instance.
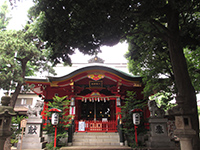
(6, 113)
(159, 138)
(33, 134)
(2, 141)
(184, 131)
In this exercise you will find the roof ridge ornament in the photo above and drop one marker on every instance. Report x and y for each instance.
(96, 59)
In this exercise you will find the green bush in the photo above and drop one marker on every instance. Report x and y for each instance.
(127, 117)
(63, 104)
(15, 128)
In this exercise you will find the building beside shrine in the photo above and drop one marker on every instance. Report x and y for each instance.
(96, 92)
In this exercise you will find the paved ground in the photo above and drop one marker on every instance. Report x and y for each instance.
(88, 148)
(96, 148)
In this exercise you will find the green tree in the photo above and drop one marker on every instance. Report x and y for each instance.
(4, 20)
(153, 65)
(22, 54)
(193, 61)
(173, 24)
(132, 103)
(62, 104)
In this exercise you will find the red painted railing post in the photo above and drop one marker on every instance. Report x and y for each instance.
(136, 140)
(55, 136)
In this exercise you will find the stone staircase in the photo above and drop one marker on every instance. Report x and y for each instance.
(97, 138)
(96, 141)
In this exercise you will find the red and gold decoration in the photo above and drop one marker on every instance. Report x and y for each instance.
(96, 76)
(96, 96)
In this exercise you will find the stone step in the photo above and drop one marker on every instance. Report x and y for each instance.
(96, 139)
(95, 133)
(95, 144)
(96, 148)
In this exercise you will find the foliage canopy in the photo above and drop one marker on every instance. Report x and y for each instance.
(157, 32)
(4, 20)
(22, 54)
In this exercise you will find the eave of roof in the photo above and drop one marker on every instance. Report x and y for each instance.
(113, 71)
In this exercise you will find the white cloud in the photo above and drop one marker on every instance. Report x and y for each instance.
(19, 14)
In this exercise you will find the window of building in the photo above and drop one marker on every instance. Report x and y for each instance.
(23, 101)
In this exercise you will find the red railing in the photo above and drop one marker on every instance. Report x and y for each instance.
(95, 126)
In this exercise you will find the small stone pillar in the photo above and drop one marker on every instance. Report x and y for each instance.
(158, 134)
(33, 134)
(184, 131)
(158, 138)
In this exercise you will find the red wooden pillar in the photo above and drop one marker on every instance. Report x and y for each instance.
(43, 113)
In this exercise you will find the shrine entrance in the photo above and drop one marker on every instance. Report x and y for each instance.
(96, 111)
(96, 94)
(95, 115)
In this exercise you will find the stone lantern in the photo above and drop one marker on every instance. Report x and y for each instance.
(6, 113)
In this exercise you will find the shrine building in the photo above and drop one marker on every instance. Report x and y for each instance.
(96, 92)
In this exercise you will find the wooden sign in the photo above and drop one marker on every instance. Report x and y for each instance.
(95, 84)
(23, 123)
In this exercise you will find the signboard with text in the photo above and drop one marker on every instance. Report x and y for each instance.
(23, 123)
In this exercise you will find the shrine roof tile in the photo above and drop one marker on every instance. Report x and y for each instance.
(86, 69)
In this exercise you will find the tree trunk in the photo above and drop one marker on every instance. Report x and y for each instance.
(19, 84)
(186, 96)
(15, 94)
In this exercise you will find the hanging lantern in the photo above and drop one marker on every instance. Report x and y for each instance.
(98, 99)
(72, 101)
(85, 100)
(104, 100)
(118, 102)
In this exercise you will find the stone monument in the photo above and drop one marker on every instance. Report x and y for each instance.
(158, 138)
(184, 130)
(6, 113)
(33, 134)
